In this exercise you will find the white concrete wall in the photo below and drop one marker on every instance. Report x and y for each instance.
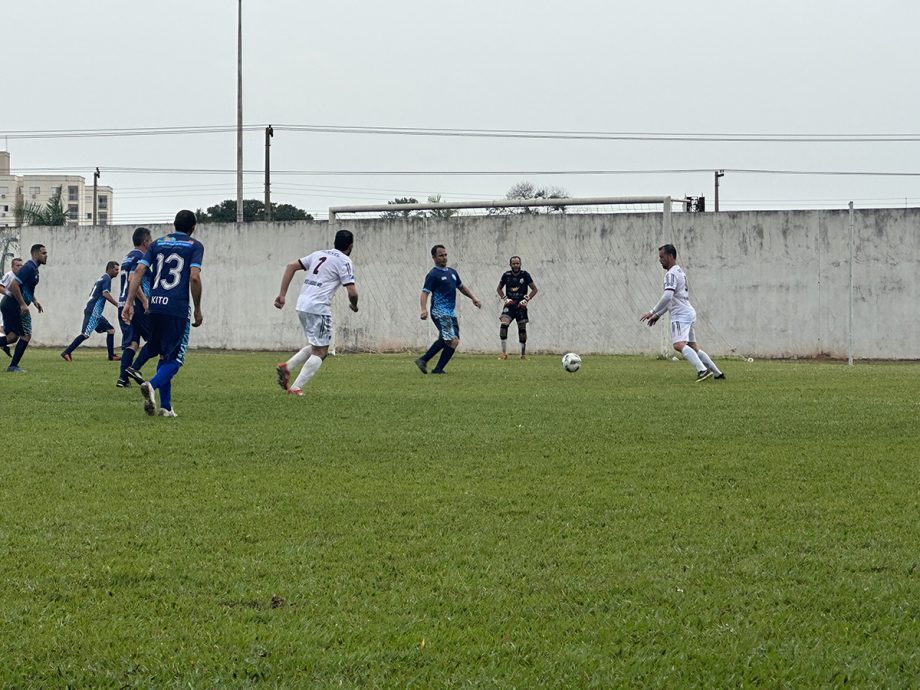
(767, 284)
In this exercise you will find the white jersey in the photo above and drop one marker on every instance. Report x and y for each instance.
(7, 279)
(326, 271)
(675, 280)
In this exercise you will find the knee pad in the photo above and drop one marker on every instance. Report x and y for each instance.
(522, 332)
(503, 331)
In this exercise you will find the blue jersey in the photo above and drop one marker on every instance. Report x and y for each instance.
(28, 279)
(171, 259)
(443, 284)
(96, 302)
(128, 264)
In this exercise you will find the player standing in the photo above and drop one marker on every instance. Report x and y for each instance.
(93, 320)
(175, 261)
(512, 290)
(17, 320)
(132, 333)
(442, 283)
(5, 282)
(326, 269)
(676, 299)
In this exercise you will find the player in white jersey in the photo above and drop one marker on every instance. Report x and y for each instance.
(5, 282)
(326, 271)
(676, 300)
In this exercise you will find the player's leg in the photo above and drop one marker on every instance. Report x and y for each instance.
(504, 321)
(9, 308)
(680, 336)
(173, 342)
(284, 369)
(318, 328)
(452, 328)
(522, 334)
(105, 327)
(436, 346)
(140, 325)
(25, 336)
(706, 360)
(89, 325)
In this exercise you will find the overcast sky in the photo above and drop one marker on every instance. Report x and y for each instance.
(780, 67)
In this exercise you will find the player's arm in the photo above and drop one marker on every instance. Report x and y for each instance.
(655, 312)
(500, 290)
(109, 298)
(134, 283)
(352, 296)
(2, 289)
(195, 288)
(286, 278)
(533, 293)
(466, 291)
(423, 304)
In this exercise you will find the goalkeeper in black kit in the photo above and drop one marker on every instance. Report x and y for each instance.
(513, 291)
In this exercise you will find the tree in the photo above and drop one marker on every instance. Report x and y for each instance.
(52, 213)
(527, 190)
(440, 212)
(402, 214)
(253, 210)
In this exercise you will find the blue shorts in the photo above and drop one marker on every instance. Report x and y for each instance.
(95, 323)
(13, 320)
(136, 331)
(168, 336)
(448, 326)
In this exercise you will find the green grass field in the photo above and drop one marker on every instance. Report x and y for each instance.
(507, 525)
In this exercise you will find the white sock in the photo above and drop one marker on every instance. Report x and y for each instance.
(299, 358)
(690, 355)
(504, 346)
(705, 359)
(309, 369)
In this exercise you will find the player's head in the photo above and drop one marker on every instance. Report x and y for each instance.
(141, 237)
(112, 268)
(39, 254)
(185, 222)
(15, 265)
(344, 241)
(667, 256)
(439, 254)
(515, 263)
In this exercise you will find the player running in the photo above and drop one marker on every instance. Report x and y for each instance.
(512, 291)
(93, 320)
(132, 333)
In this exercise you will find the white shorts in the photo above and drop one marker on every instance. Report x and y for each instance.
(682, 332)
(317, 328)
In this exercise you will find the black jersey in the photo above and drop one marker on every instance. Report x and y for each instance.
(516, 285)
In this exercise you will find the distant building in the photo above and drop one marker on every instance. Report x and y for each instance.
(76, 195)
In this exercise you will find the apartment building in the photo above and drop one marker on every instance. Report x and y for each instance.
(76, 195)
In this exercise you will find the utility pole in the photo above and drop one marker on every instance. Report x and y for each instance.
(239, 112)
(96, 176)
(718, 174)
(269, 133)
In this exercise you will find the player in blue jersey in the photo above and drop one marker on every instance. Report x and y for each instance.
(442, 284)
(93, 320)
(5, 282)
(17, 319)
(175, 263)
(131, 333)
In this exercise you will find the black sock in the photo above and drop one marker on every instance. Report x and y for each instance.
(435, 348)
(445, 357)
(110, 344)
(21, 346)
(75, 344)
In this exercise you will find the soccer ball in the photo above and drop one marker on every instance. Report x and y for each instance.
(571, 362)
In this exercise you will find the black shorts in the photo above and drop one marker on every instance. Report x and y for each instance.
(13, 320)
(515, 312)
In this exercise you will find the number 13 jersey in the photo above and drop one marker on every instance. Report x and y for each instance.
(326, 271)
(170, 261)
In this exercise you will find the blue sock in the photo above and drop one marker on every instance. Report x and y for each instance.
(127, 357)
(142, 357)
(166, 395)
(165, 373)
(110, 344)
(21, 346)
(435, 348)
(75, 344)
(445, 357)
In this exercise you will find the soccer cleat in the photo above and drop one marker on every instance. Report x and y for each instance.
(422, 365)
(115, 358)
(503, 355)
(15, 370)
(524, 357)
(283, 374)
(66, 357)
(438, 371)
(167, 413)
(134, 375)
(122, 383)
(150, 401)
(295, 391)
(719, 376)
(6, 350)
(703, 375)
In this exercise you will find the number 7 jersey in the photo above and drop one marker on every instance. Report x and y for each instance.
(170, 261)
(326, 271)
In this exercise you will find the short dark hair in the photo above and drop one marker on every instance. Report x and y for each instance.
(435, 248)
(668, 249)
(36, 248)
(111, 264)
(513, 258)
(185, 221)
(140, 234)
(343, 240)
